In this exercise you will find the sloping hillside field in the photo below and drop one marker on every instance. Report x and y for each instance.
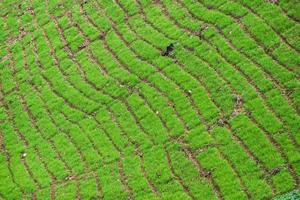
(141, 99)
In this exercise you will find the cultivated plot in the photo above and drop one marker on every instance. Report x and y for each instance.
(149, 99)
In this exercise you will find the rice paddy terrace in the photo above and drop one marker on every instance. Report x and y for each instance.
(140, 99)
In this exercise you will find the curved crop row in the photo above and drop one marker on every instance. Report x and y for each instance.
(140, 99)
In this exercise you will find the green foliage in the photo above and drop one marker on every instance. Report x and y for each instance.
(140, 99)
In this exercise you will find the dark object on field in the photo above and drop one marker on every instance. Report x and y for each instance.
(76, 25)
(81, 47)
(168, 50)
(84, 45)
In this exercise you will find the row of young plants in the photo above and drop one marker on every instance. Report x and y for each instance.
(187, 93)
(67, 188)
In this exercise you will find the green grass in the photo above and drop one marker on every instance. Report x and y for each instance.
(91, 109)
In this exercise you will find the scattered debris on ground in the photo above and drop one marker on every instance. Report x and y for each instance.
(273, 1)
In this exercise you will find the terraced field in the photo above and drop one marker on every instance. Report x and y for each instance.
(140, 99)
